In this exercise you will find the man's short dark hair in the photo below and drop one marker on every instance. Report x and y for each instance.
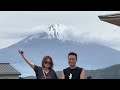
(73, 53)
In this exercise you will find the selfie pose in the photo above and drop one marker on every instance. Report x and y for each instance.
(45, 71)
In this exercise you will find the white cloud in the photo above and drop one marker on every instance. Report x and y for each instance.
(108, 35)
(8, 42)
(83, 26)
(105, 34)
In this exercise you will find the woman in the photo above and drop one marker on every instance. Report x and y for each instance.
(44, 72)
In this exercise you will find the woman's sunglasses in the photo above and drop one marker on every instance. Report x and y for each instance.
(48, 63)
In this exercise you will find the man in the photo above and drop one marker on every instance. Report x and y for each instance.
(73, 71)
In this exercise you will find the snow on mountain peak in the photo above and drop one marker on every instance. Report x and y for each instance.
(56, 31)
(52, 31)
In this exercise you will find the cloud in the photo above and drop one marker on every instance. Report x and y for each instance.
(84, 27)
(104, 34)
(8, 42)
(109, 35)
(17, 33)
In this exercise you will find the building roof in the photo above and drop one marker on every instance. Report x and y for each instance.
(111, 18)
(7, 69)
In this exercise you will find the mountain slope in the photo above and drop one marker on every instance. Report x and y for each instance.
(36, 46)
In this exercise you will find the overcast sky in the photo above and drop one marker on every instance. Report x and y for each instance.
(16, 25)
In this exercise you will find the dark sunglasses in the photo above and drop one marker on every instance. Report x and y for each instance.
(47, 62)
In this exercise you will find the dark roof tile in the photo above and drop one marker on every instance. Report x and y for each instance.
(6, 68)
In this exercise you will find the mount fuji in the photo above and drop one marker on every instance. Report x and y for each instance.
(52, 42)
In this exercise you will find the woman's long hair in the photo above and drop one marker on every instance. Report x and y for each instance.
(45, 59)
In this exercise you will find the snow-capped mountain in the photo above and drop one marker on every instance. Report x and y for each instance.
(48, 42)
(53, 31)
(56, 31)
